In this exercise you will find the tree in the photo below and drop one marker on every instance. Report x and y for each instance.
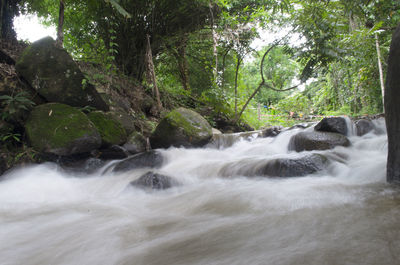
(392, 109)
(8, 10)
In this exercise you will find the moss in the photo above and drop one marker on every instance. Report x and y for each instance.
(110, 129)
(52, 127)
(190, 121)
(182, 127)
(55, 76)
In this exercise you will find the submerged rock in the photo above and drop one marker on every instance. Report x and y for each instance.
(332, 124)
(294, 167)
(151, 159)
(80, 165)
(278, 167)
(60, 129)
(52, 72)
(181, 127)
(272, 131)
(314, 140)
(154, 181)
(364, 126)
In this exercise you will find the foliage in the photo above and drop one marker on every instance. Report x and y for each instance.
(198, 45)
(296, 103)
(12, 104)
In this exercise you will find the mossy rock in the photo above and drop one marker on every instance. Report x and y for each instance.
(60, 129)
(181, 127)
(110, 129)
(136, 143)
(52, 72)
(127, 121)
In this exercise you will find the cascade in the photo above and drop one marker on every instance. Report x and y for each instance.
(221, 209)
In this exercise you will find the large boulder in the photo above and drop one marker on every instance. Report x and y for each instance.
(136, 143)
(154, 181)
(151, 159)
(181, 127)
(332, 124)
(364, 126)
(110, 129)
(60, 129)
(127, 121)
(314, 140)
(52, 72)
(278, 167)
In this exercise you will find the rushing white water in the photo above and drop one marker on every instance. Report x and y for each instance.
(346, 214)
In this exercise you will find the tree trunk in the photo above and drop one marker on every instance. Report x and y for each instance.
(239, 60)
(215, 42)
(378, 51)
(60, 33)
(182, 62)
(151, 75)
(8, 9)
(392, 109)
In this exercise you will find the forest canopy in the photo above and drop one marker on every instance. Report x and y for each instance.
(203, 49)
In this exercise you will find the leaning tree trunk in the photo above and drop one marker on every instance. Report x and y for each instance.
(392, 109)
(151, 75)
(378, 52)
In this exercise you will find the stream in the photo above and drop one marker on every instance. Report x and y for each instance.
(345, 214)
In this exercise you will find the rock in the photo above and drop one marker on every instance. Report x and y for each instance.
(78, 164)
(181, 127)
(151, 159)
(363, 127)
(154, 181)
(126, 120)
(3, 165)
(113, 152)
(279, 167)
(272, 131)
(136, 143)
(60, 129)
(294, 167)
(333, 124)
(301, 126)
(216, 131)
(110, 129)
(148, 104)
(314, 140)
(116, 102)
(52, 72)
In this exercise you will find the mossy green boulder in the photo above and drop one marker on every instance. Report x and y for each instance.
(110, 129)
(136, 143)
(52, 72)
(181, 127)
(60, 129)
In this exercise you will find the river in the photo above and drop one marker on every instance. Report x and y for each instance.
(346, 214)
